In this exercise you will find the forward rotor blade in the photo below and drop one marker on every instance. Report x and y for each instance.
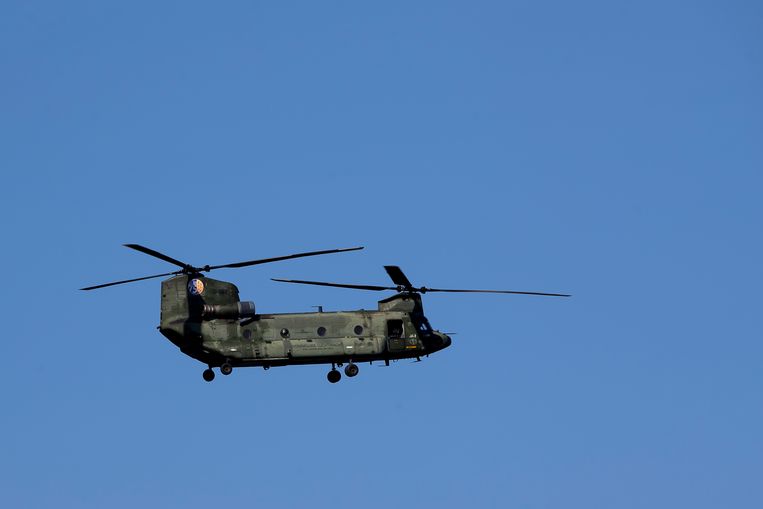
(337, 285)
(129, 281)
(397, 276)
(427, 290)
(157, 254)
(279, 258)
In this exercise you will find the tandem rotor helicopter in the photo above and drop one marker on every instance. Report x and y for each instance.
(206, 320)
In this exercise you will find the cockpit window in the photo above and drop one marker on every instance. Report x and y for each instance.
(424, 326)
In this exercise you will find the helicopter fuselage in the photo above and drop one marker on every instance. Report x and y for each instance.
(192, 306)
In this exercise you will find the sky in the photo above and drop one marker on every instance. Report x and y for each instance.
(611, 150)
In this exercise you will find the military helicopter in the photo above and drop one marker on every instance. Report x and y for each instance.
(206, 320)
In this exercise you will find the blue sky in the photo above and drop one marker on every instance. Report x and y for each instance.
(611, 150)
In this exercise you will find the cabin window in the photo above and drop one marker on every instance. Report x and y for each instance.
(395, 329)
(358, 330)
(321, 331)
(284, 333)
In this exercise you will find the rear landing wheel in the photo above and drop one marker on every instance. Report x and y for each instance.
(208, 375)
(334, 376)
(226, 369)
(351, 370)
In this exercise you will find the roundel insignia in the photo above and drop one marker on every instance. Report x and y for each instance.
(196, 286)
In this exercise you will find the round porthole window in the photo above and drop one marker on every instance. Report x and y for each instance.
(284, 333)
(358, 330)
(321, 331)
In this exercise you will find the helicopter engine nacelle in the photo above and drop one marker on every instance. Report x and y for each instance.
(234, 310)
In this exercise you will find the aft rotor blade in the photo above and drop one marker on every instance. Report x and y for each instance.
(337, 285)
(279, 258)
(157, 254)
(397, 276)
(129, 281)
(427, 290)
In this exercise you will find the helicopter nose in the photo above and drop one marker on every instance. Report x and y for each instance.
(444, 339)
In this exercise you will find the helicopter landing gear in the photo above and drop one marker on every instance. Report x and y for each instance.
(208, 375)
(351, 370)
(226, 369)
(334, 376)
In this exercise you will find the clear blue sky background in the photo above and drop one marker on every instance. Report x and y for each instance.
(607, 149)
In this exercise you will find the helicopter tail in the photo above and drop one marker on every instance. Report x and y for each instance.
(187, 300)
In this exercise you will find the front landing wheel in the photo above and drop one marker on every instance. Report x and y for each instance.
(351, 370)
(226, 369)
(208, 375)
(334, 376)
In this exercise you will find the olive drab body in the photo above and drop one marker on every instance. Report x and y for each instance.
(398, 329)
(205, 318)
